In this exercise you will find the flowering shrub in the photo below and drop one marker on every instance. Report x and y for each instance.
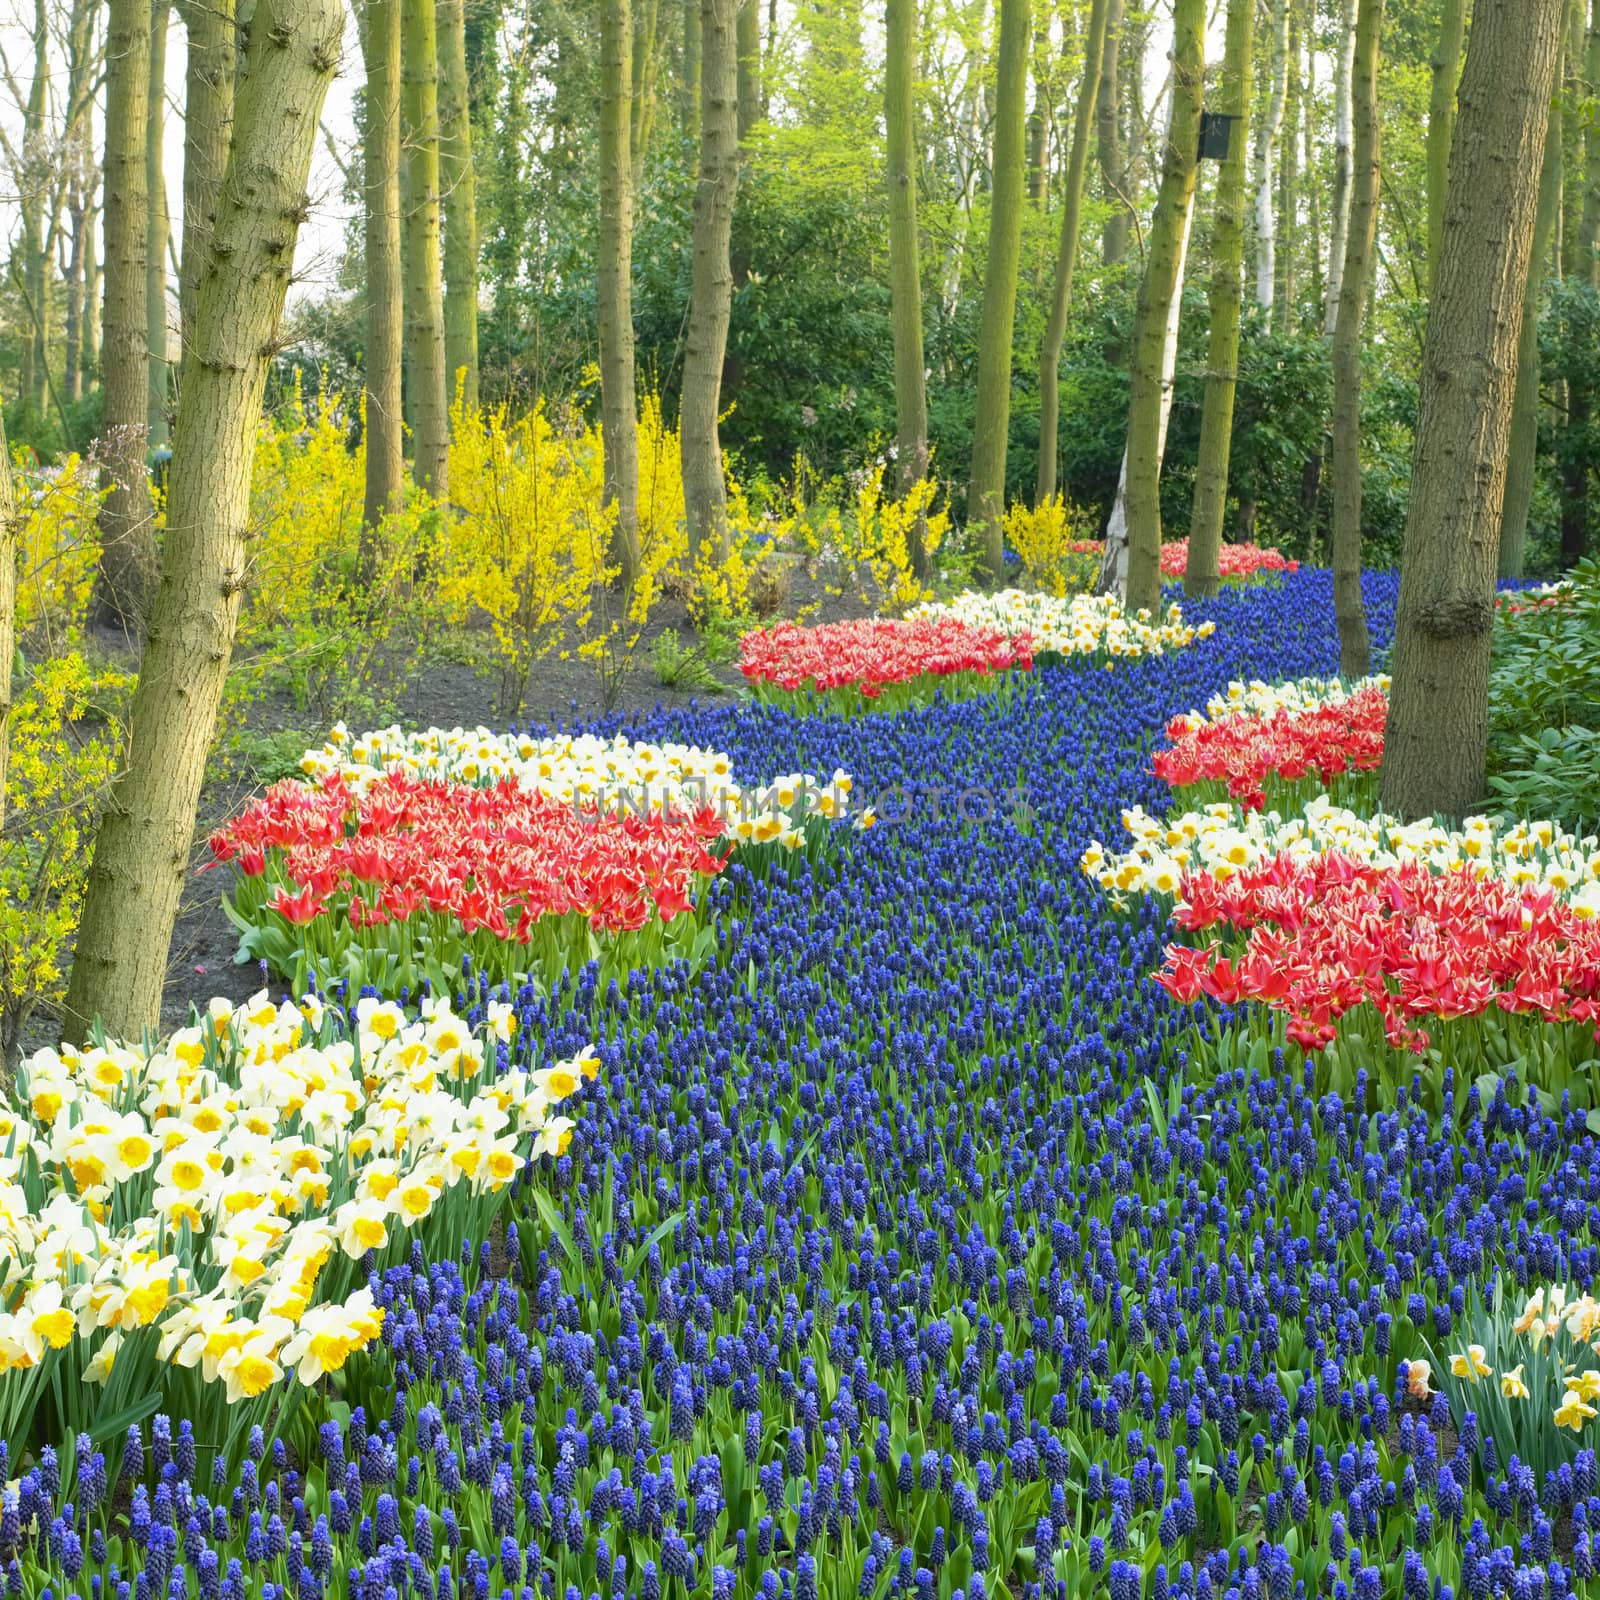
(1301, 753)
(404, 879)
(1092, 627)
(199, 1217)
(847, 666)
(1223, 840)
(1055, 559)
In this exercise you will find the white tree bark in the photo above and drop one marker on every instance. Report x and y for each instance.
(1344, 58)
(1267, 136)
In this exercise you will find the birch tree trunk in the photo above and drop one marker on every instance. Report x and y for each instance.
(458, 181)
(1522, 464)
(1266, 154)
(1203, 574)
(1160, 294)
(1067, 254)
(385, 423)
(619, 422)
(127, 535)
(1437, 734)
(1445, 67)
(905, 273)
(158, 378)
(1288, 180)
(705, 492)
(1343, 136)
(1108, 137)
(424, 300)
(207, 127)
(987, 488)
(142, 849)
(1349, 611)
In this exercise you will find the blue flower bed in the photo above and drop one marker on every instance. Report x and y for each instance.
(919, 1247)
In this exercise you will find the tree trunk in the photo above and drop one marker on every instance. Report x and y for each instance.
(987, 490)
(1108, 137)
(9, 531)
(459, 183)
(747, 33)
(619, 421)
(1288, 181)
(1436, 739)
(1312, 253)
(1038, 143)
(32, 178)
(1266, 153)
(642, 117)
(1343, 136)
(705, 491)
(1355, 646)
(977, 29)
(93, 289)
(1446, 69)
(72, 329)
(689, 89)
(424, 301)
(1227, 294)
(158, 377)
(385, 431)
(1575, 90)
(1589, 242)
(1522, 464)
(1067, 254)
(1159, 292)
(207, 127)
(905, 272)
(141, 852)
(127, 534)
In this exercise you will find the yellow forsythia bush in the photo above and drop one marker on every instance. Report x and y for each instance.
(58, 549)
(1044, 537)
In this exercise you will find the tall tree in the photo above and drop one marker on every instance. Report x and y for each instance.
(905, 270)
(32, 174)
(1436, 739)
(1067, 250)
(646, 17)
(1108, 139)
(385, 422)
(1522, 462)
(458, 181)
(1039, 114)
(1349, 611)
(207, 127)
(127, 533)
(747, 35)
(155, 182)
(1589, 241)
(987, 489)
(424, 300)
(141, 852)
(1283, 287)
(1203, 573)
(1344, 55)
(1158, 292)
(1267, 133)
(689, 86)
(705, 491)
(619, 420)
(1446, 69)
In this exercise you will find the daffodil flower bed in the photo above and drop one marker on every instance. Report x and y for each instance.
(1081, 627)
(1255, 698)
(199, 1219)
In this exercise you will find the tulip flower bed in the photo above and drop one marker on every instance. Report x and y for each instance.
(1235, 562)
(200, 1222)
(925, 1246)
(1082, 628)
(401, 882)
(880, 664)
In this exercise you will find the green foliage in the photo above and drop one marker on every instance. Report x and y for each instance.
(685, 669)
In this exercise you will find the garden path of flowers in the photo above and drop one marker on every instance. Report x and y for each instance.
(921, 1247)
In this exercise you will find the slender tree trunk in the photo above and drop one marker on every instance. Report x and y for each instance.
(1576, 89)
(1589, 242)
(1067, 253)
(32, 178)
(747, 31)
(1343, 137)
(1113, 165)
(1227, 294)
(127, 535)
(617, 401)
(1312, 253)
(705, 491)
(9, 531)
(424, 301)
(207, 128)
(1446, 70)
(905, 272)
(1349, 611)
(385, 430)
(1159, 291)
(1522, 463)
(1289, 180)
(977, 17)
(1038, 141)
(689, 102)
(987, 490)
(646, 18)
(1437, 735)
(1266, 154)
(141, 853)
(78, 228)
(155, 181)
(93, 288)
(459, 183)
